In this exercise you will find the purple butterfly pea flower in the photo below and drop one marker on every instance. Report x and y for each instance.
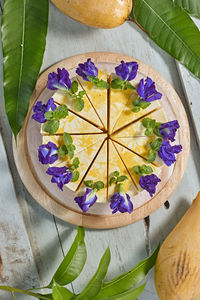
(147, 91)
(127, 71)
(88, 68)
(149, 183)
(168, 130)
(121, 202)
(40, 109)
(59, 80)
(87, 200)
(60, 175)
(48, 153)
(167, 152)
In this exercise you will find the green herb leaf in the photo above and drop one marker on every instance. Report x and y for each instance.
(144, 104)
(129, 279)
(148, 131)
(148, 123)
(116, 174)
(20, 43)
(112, 180)
(171, 28)
(49, 115)
(121, 178)
(74, 261)
(94, 285)
(79, 104)
(152, 156)
(136, 109)
(61, 293)
(136, 102)
(98, 82)
(89, 183)
(81, 93)
(61, 112)
(142, 170)
(75, 176)
(74, 87)
(51, 126)
(129, 295)
(76, 163)
(155, 145)
(117, 83)
(191, 6)
(62, 150)
(70, 150)
(129, 86)
(156, 129)
(67, 139)
(99, 185)
(47, 296)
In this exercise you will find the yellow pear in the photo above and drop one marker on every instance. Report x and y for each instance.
(96, 13)
(177, 269)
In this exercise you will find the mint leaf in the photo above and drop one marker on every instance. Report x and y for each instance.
(121, 178)
(136, 109)
(89, 183)
(136, 169)
(98, 82)
(152, 156)
(74, 87)
(129, 86)
(148, 123)
(148, 131)
(117, 83)
(146, 169)
(99, 185)
(116, 174)
(67, 139)
(81, 93)
(76, 163)
(51, 126)
(62, 150)
(144, 104)
(61, 112)
(112, 180)
(156, 130)
(155, 145)
(70, 150)
(136, 102)
(75, 176)
(49, 115)
(79, 104)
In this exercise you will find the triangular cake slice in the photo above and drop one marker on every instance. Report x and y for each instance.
(86, 158)
(87, 112)
(74, 124)
(115, 164)
(81, 142)
(130, 160)
(139, 145)
(127, 116)
(137, 129)
(97, 96)
(118, 99)
(98, 171)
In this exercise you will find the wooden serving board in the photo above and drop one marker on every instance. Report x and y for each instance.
(61, 204)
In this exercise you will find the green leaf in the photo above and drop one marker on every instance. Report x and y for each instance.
(76, 163)
(144, 104)
(70, 150)
(152, 156)
(148, 131)
(62, 150)
(81, 93)
(94, 285)
(155, 145)
(129, 295)
(99, 185)
(89, 183)
(74, 261)
(48, 296)
(74, 87)
(116, 174)
(23, 30)
(191, 6)
(75, 176)
(117, 83)
(129, 279)
(136, 109)
(171, 28)
(112, 180)
(61, 293)
(51, 126)
(61, 112)
(142, 170)
(49, 115)
(148, 123)
(121, 178)
(79, 104)
(98, 82)
(67, 139)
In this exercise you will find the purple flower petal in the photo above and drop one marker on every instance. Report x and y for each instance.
(59, 80)
(149, 183)
(167, 152)
(121, 202)
(48, 153)
(147, 91)
(168, 130)
(88, 68)
(127, 71)
(40, 109)
(60, 176)
(87, 200)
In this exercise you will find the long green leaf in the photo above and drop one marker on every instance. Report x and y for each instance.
(172, 29)
(24, 29)
(48, 296)
(74, 261)
(129, 295)
(61, 293)
(191, 6)
(129, 279)
(25, 292)
(94, 285)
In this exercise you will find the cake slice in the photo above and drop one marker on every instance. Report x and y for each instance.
(118, 100)
(86, 158)
(115, 164)
(81, 142)
(137, 129)
(73, 124)
(140, 145)
(130, 160)
(87, 112)
(97, 96)
(98, 171)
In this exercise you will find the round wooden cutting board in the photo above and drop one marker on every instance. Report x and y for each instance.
(61, 204)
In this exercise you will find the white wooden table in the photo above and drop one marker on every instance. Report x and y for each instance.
(32, 241)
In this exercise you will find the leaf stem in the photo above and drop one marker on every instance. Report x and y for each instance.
(15, 290)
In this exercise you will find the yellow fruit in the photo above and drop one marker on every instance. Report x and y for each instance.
(177, 270)
(96, 13)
